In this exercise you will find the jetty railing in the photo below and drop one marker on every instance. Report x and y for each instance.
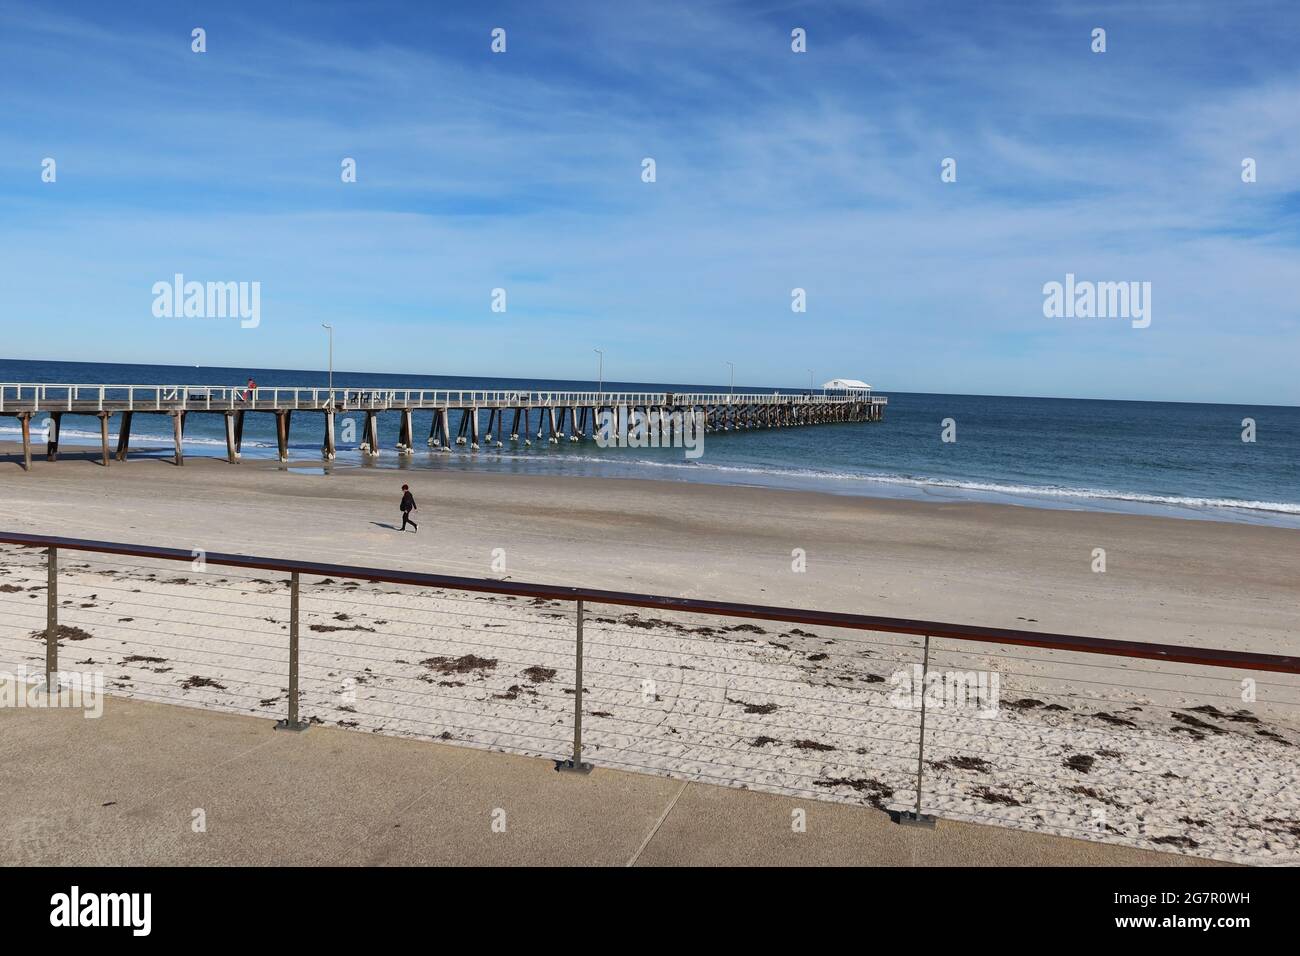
(113, 398)
(560, 415)
(1167, 746)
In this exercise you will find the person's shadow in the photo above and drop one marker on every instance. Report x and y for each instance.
(390, 527)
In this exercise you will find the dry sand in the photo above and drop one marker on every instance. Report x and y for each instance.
(1160, 756)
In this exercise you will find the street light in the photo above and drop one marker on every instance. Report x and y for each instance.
(810, 381)
(600, 371)
(733, 377)
(330, 328)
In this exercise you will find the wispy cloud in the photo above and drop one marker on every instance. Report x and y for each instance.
(775, 170)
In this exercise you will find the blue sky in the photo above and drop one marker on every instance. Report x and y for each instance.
(775, 170)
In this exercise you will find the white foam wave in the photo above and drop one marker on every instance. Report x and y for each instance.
(797, 474)
(922, 482)
(75, 436)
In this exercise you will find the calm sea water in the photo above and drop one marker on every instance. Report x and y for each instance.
(1186, 460)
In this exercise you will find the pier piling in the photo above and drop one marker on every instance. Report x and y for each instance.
(103, 435)
(327, 446)
(372, 432)
(124, 436)
(282, 433)
(406, 435)
(232, 454)
(178, 430)
(25, 423)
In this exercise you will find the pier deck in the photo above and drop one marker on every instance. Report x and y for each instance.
(574, 415)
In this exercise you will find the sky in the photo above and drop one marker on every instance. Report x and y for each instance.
(774, 171)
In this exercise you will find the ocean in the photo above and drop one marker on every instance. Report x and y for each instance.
(1185, 460)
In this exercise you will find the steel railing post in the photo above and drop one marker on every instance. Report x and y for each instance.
(575, 765)
(52, 620)
(292, 722)
(915, 817)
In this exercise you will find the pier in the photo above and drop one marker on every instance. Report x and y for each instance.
(470, 419)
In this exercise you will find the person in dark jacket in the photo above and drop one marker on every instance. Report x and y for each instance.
(408, 505)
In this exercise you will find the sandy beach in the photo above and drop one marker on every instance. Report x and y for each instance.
(1189, 582)
(1164, 756)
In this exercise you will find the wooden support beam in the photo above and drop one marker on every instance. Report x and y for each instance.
(178, 433)
(25, 422)
(103, 435)
(372, 431)
(327, 449)
(232, 455)
(406, 436)
(473, 426)
(124, 436)
(239, 432)
(282, 434)
(514, 426)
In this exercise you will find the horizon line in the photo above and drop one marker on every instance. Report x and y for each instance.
(874, 390)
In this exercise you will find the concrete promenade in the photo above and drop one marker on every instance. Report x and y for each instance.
(127, 789)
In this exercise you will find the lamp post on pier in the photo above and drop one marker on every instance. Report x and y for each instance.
(733, 376)
(600, 371)
(329, 328)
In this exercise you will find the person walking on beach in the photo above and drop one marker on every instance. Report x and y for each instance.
(408, 505)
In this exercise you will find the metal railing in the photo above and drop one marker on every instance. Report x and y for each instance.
(28, 397)
(711, 683)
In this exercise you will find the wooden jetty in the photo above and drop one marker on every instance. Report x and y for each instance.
(556, 415)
